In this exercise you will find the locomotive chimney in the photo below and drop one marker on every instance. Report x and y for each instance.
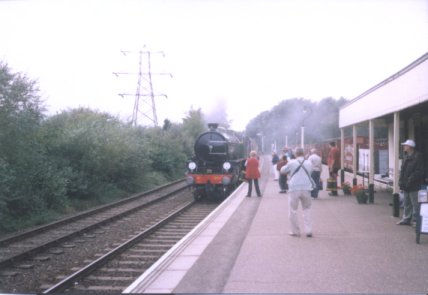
(212, 126)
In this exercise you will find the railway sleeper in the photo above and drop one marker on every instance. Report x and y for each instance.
(105, 289)
(145, 256)
(173, 237)
(174, 232)
(175, 229)
(134, 263)
(9, 273)
(116, 270)
(150, 254)
(134, 272)
(148, 248)
(162, 241)
(179, 226)
(20, 246)
(189, 220)
(109, 278)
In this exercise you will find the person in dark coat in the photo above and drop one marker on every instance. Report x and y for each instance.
(411, 179)
(316, 162)
(282, 177)
(252, 173)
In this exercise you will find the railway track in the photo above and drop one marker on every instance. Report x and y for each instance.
(35, 258)
(117, 269)
(19, 246)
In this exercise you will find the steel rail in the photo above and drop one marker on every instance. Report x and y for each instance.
(45, 227)
(12, 259)
(65, 283)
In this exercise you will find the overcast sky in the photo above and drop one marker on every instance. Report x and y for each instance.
(247, 55)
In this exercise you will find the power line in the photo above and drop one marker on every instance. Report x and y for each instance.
(144, 102)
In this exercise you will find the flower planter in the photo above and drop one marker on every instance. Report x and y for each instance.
(346, 191)
(346, 188)
(362, 197)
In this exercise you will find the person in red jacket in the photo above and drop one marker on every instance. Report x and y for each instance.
(333, 161)
(252, 173)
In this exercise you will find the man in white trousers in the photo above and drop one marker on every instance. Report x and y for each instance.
(300, 184)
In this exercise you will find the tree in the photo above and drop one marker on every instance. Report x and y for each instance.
(194, 123)
(31, 188)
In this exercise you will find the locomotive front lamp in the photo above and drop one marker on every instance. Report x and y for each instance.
(192, 166)
(226, 166)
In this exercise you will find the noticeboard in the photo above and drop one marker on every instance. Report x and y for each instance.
(424, 217)
(422, 222)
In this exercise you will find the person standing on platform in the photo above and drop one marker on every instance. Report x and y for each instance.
(289, 153)
(300, 186)
(410, 181)
(333, 161)
(315, 160)
(252, 173)
(283, 186)
(275, 160)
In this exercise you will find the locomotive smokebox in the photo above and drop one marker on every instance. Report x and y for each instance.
(217, 146)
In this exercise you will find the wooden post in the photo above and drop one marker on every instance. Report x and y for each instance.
(372, 162)
(396, 197)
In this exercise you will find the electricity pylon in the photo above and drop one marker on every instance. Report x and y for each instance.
(144, 93)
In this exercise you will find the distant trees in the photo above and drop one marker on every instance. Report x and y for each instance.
(321, 121)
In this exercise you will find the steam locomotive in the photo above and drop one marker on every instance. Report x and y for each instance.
(216, 168)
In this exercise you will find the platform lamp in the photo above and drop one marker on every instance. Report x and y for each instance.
(261, 137)
(307, 111)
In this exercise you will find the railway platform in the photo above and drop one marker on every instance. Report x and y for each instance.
(244, 247)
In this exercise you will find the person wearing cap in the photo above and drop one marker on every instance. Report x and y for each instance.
(316, 171)
(300, 185)
(410, 181)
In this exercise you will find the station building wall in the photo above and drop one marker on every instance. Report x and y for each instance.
(403, 95)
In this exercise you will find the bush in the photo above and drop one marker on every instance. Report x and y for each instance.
(96, 152)
(30, 186)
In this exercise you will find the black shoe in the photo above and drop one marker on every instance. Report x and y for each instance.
(333, 194)
(403, 222)
(309, 235)
(259, 195)
(248, 196)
